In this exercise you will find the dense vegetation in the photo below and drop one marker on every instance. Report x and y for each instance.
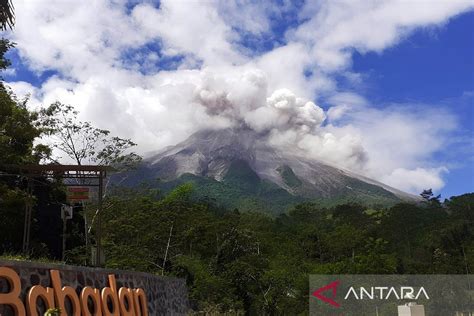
(242, 188)
(244, 261)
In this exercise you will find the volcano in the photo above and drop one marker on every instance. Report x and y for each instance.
(239, 169)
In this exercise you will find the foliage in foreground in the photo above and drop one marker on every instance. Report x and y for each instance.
(235, 261)
(242, 262)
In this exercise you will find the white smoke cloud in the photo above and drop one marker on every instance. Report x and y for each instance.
(219, 83)
(415, 180)
(287, 121)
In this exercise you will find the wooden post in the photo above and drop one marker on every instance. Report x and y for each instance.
(63, 256)
(86, 234)
(28, 211)
(99, 221)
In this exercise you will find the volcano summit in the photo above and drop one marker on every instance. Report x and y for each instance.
(239, 169)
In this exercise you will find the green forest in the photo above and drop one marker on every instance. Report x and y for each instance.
(250, 263)
(234, 261)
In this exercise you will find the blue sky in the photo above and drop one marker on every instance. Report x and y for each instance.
(391, 84)
(430, 65)
(434, 66)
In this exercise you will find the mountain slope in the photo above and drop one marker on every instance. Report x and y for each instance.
(239, 169)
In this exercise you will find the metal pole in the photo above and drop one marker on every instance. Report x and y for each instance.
(64, 236)
(28, 211)
(86, 234)
(99, 221)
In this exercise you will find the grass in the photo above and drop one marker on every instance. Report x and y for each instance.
(20, 257)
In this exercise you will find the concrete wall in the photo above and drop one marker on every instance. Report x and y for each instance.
(165, 295)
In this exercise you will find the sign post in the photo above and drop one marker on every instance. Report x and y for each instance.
(74, 193)
(77, 194)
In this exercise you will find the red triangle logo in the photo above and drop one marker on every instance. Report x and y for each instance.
(331, 286)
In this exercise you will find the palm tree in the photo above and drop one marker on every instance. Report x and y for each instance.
(7, 16)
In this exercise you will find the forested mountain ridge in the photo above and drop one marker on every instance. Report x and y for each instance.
(239, 169)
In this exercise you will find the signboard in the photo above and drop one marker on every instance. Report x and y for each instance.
(123, 300)
(66, 212)
(76, 194)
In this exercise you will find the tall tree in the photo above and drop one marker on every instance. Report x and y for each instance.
(18, 132)
(7, 15)
(84, 143)
(429, 196)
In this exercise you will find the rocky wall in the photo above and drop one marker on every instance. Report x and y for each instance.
(165, 295)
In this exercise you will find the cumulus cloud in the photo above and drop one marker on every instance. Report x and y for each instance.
(217, 82)
(193, 28)
(400, 137)
(416, 180)
(333, 28)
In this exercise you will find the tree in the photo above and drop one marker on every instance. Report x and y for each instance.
(462, 206)
(429, 197)
(18, 126)
(17, 135)
(18, 132)
(7, 16)
(84, 143)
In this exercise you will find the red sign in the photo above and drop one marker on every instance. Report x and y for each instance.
(78, 193)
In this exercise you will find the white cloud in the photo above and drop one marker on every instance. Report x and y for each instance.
(334, 28)
(343, 103)
(64, 36)
(236, 13)
(403, 136)
(190, 28)
(23, 90)
(219, 83)
(416, 180)
(285, 68)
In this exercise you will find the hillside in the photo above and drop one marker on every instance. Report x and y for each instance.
(238, 169)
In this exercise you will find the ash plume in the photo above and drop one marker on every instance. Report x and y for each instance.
(283, 119)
